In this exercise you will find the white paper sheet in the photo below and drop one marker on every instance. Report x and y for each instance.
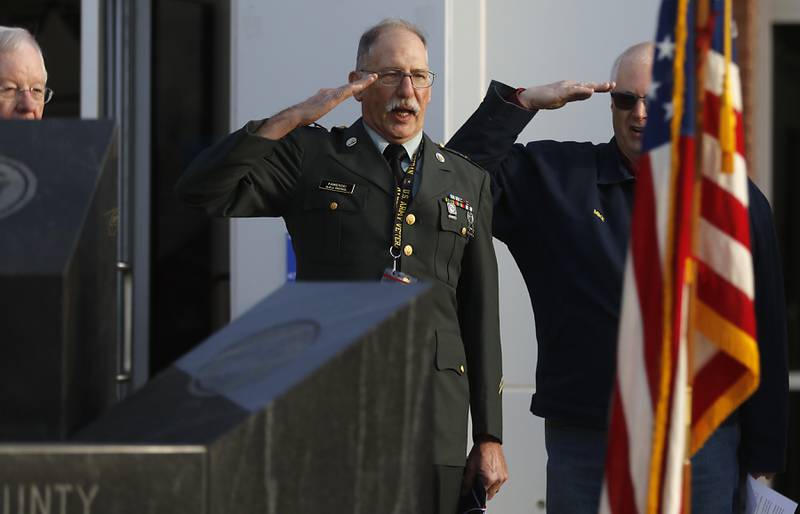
(760, 499)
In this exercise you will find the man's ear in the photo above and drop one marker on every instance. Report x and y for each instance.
(353, 77)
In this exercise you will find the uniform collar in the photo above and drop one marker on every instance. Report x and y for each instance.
(611, 167)
(411, 146)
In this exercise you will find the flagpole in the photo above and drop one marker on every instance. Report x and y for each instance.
(673, 283)
(702, 40)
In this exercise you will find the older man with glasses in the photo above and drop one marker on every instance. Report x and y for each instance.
(380, 200)
(564, 210)
(23, 77)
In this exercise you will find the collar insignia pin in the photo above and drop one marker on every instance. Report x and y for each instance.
(351, 142)
(439, 157)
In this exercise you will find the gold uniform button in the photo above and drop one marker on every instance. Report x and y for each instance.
(334, 206)
(411, 219)
(463, 231)
(461, 369)
(408, 250)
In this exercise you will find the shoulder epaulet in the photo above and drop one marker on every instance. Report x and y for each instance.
(456, 152)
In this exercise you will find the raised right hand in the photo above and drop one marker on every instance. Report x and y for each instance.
(312, 109)
(558, 94)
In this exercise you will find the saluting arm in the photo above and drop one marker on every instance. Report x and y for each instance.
(253, 171)
(489, 134)
(243, 175)
(312, 109)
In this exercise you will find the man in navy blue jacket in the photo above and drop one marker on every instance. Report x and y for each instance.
(563, 209)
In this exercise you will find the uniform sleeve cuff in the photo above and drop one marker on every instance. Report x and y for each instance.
(514, 97)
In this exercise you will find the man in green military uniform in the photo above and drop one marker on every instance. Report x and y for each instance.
(379, 198)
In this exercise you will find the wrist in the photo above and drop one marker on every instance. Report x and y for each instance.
(515, 99)
(527, 99)
(486, 438)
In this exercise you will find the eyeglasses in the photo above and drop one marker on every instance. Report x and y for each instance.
(627, 101)
(41, 95)
(419, 79)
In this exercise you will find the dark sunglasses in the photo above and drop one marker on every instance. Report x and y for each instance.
(627, 101)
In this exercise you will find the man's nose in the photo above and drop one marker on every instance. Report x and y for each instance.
(405, 88)
(640, 109)
(26, 102)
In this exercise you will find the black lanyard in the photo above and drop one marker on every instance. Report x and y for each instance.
(402, 198)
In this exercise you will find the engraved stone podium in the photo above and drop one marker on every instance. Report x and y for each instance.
(316, 400)
(58, 247)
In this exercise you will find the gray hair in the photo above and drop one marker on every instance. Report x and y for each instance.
(13, 38)
(642, 52)
(372, 34)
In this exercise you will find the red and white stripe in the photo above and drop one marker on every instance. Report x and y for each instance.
(724, 350)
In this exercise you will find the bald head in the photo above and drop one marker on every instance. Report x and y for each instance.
(631, 74)
(639, 55)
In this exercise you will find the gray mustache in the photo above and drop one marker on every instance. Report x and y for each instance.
(397, 103)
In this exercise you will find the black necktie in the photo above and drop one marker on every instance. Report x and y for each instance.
(394, 154)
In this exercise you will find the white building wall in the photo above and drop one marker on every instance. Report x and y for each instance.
(531, 42)
(283, 52)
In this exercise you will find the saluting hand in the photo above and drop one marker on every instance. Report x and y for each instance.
(312, 109)
(558, 94)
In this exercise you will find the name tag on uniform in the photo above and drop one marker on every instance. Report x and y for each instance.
(337, 187)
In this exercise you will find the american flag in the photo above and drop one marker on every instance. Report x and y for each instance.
(687, 309)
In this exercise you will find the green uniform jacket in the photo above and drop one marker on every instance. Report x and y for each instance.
(336, 193)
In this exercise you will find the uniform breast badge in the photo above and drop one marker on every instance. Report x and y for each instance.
(452, 212)
(456, 202)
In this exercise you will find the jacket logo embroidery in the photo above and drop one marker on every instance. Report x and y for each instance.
(599, 215)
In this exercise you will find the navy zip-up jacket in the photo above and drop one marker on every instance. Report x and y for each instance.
(563, 209)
